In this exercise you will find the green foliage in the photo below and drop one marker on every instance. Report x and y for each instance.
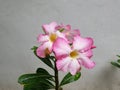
(118, 56)
(32, 78)
(46, 60)
(44, 72)
(34, 87)
(37, 86)
(118, 60)
(42, 79)
(116, 63)
(70, 78)
(35, 81)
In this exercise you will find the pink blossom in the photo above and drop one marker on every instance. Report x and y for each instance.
(47, 39)
(72, 57)
(70, 34)
(66, 29)
(63, 27)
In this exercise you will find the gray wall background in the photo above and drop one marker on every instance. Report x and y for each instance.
(20, 23)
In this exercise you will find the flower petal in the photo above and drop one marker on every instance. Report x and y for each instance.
(61, 47)
(49, 28)
(74, 67)
(68, 27)
(75, 32)
(70, 34)
(63, 64)
(44, 49)
(80, 43)
(42, 38)
(86, 62)
(88, 53)
(61, 35)
(93, 47)
(65, 27)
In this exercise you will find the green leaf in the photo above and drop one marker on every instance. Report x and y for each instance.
(70, 78)
(44, 72)
(52, 58)
(37, 86)
(46, 60)
(118, 56)
(35, 81)
(118, 60)
(33, 78)
(34, 48)
(115, 64)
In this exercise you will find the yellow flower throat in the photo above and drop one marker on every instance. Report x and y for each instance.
(53, 37)
(74, 54)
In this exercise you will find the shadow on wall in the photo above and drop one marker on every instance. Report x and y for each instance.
(108, 79)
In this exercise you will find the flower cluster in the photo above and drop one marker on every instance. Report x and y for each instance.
(70, 49)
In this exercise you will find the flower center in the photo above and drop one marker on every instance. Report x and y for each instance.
(47, 52)
(74, 54)
(53, 37)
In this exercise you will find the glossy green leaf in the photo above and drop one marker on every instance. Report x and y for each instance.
(44, 72)
(46, 60)
(70, 78)
(37, 86)
(52, 58)
(115, 64)
(33, 78)
(118, 56)
(34, 48)
(118, 60)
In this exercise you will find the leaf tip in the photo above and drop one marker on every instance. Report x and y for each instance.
(34, 48)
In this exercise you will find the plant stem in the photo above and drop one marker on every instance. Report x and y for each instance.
(56, 78)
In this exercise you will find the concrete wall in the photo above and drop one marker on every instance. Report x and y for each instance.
(20, 23)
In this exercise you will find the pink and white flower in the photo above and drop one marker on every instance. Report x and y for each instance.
(72, 57)
(63, 27)
(69, 34)
(47, 39)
